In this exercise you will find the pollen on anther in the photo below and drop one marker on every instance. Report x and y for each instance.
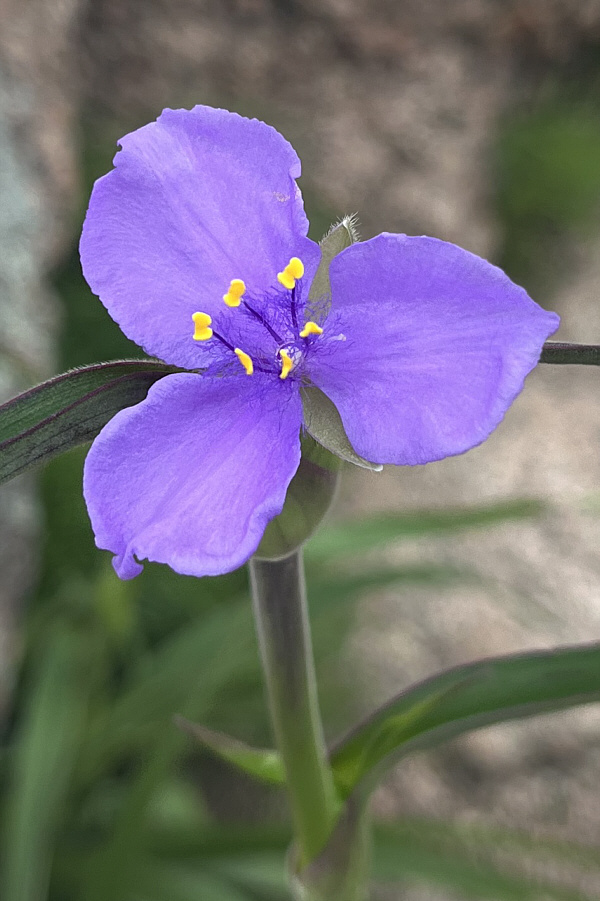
(245, 360)
(233, 298)
(287, 364)
(292, 272)
(311, 328)
(202, 321)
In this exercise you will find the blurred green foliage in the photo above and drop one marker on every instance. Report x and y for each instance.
(101, 797)
(547, 185)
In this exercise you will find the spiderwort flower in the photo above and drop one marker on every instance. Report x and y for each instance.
(196, 242)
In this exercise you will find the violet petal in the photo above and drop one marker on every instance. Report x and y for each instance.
(434, 344)
(192, 475)
(197, 198)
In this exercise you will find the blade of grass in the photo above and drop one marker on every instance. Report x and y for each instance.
(43, 759)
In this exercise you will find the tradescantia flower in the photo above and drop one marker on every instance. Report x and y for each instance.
(196, 242)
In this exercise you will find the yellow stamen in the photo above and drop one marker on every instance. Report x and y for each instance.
(202, 332)
(245, 360)
(287, 364)
(233, 297)
(311, 328)
(292, 272)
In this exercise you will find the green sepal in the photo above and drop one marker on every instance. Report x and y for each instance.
(262, 764)
(321, 417)
(462, 700)
(308, 499)
(340, 236)
(324, 423)
(70, 409)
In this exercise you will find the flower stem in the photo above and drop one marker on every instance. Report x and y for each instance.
(281, 615)
(560, 352)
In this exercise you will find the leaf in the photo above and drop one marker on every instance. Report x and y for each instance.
(422, 853)
(42, 765)
(324, 423)
(467, 698)
(70, 409)
(261, 763)
(515, 847)
(155, 882)
(366, 534)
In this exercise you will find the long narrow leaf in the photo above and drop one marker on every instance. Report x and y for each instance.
(69, 410)
(41, 768)
(419, 856)
(467, 698)
(368, 534)
(263, 764)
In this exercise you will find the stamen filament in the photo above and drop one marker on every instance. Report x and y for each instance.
(293, 309)
(263, 321)
(223, 341)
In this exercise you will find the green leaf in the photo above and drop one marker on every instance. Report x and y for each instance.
(42, 765)
(423, 853)
(261, 763)
(70, 409)
(366, 534)
(156, 882)
(463, 699)
(324, 423)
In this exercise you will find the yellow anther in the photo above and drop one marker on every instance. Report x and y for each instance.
(202, 332)
(295, 267)
(233, 297)
(311, 328)
(287, 364)
(245, 360)
(292, 272)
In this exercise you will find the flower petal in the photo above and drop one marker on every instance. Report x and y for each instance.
(437, 343)
(196, 199)
(192, 475)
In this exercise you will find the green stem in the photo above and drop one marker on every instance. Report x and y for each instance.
(560, 352)
(280, 610)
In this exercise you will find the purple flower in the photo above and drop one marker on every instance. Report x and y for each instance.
(196, 244)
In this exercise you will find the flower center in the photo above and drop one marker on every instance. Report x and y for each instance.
(289, 354)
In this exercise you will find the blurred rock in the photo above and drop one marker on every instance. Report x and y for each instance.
(37, 178)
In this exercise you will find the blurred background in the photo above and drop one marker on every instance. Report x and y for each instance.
(477, 121)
